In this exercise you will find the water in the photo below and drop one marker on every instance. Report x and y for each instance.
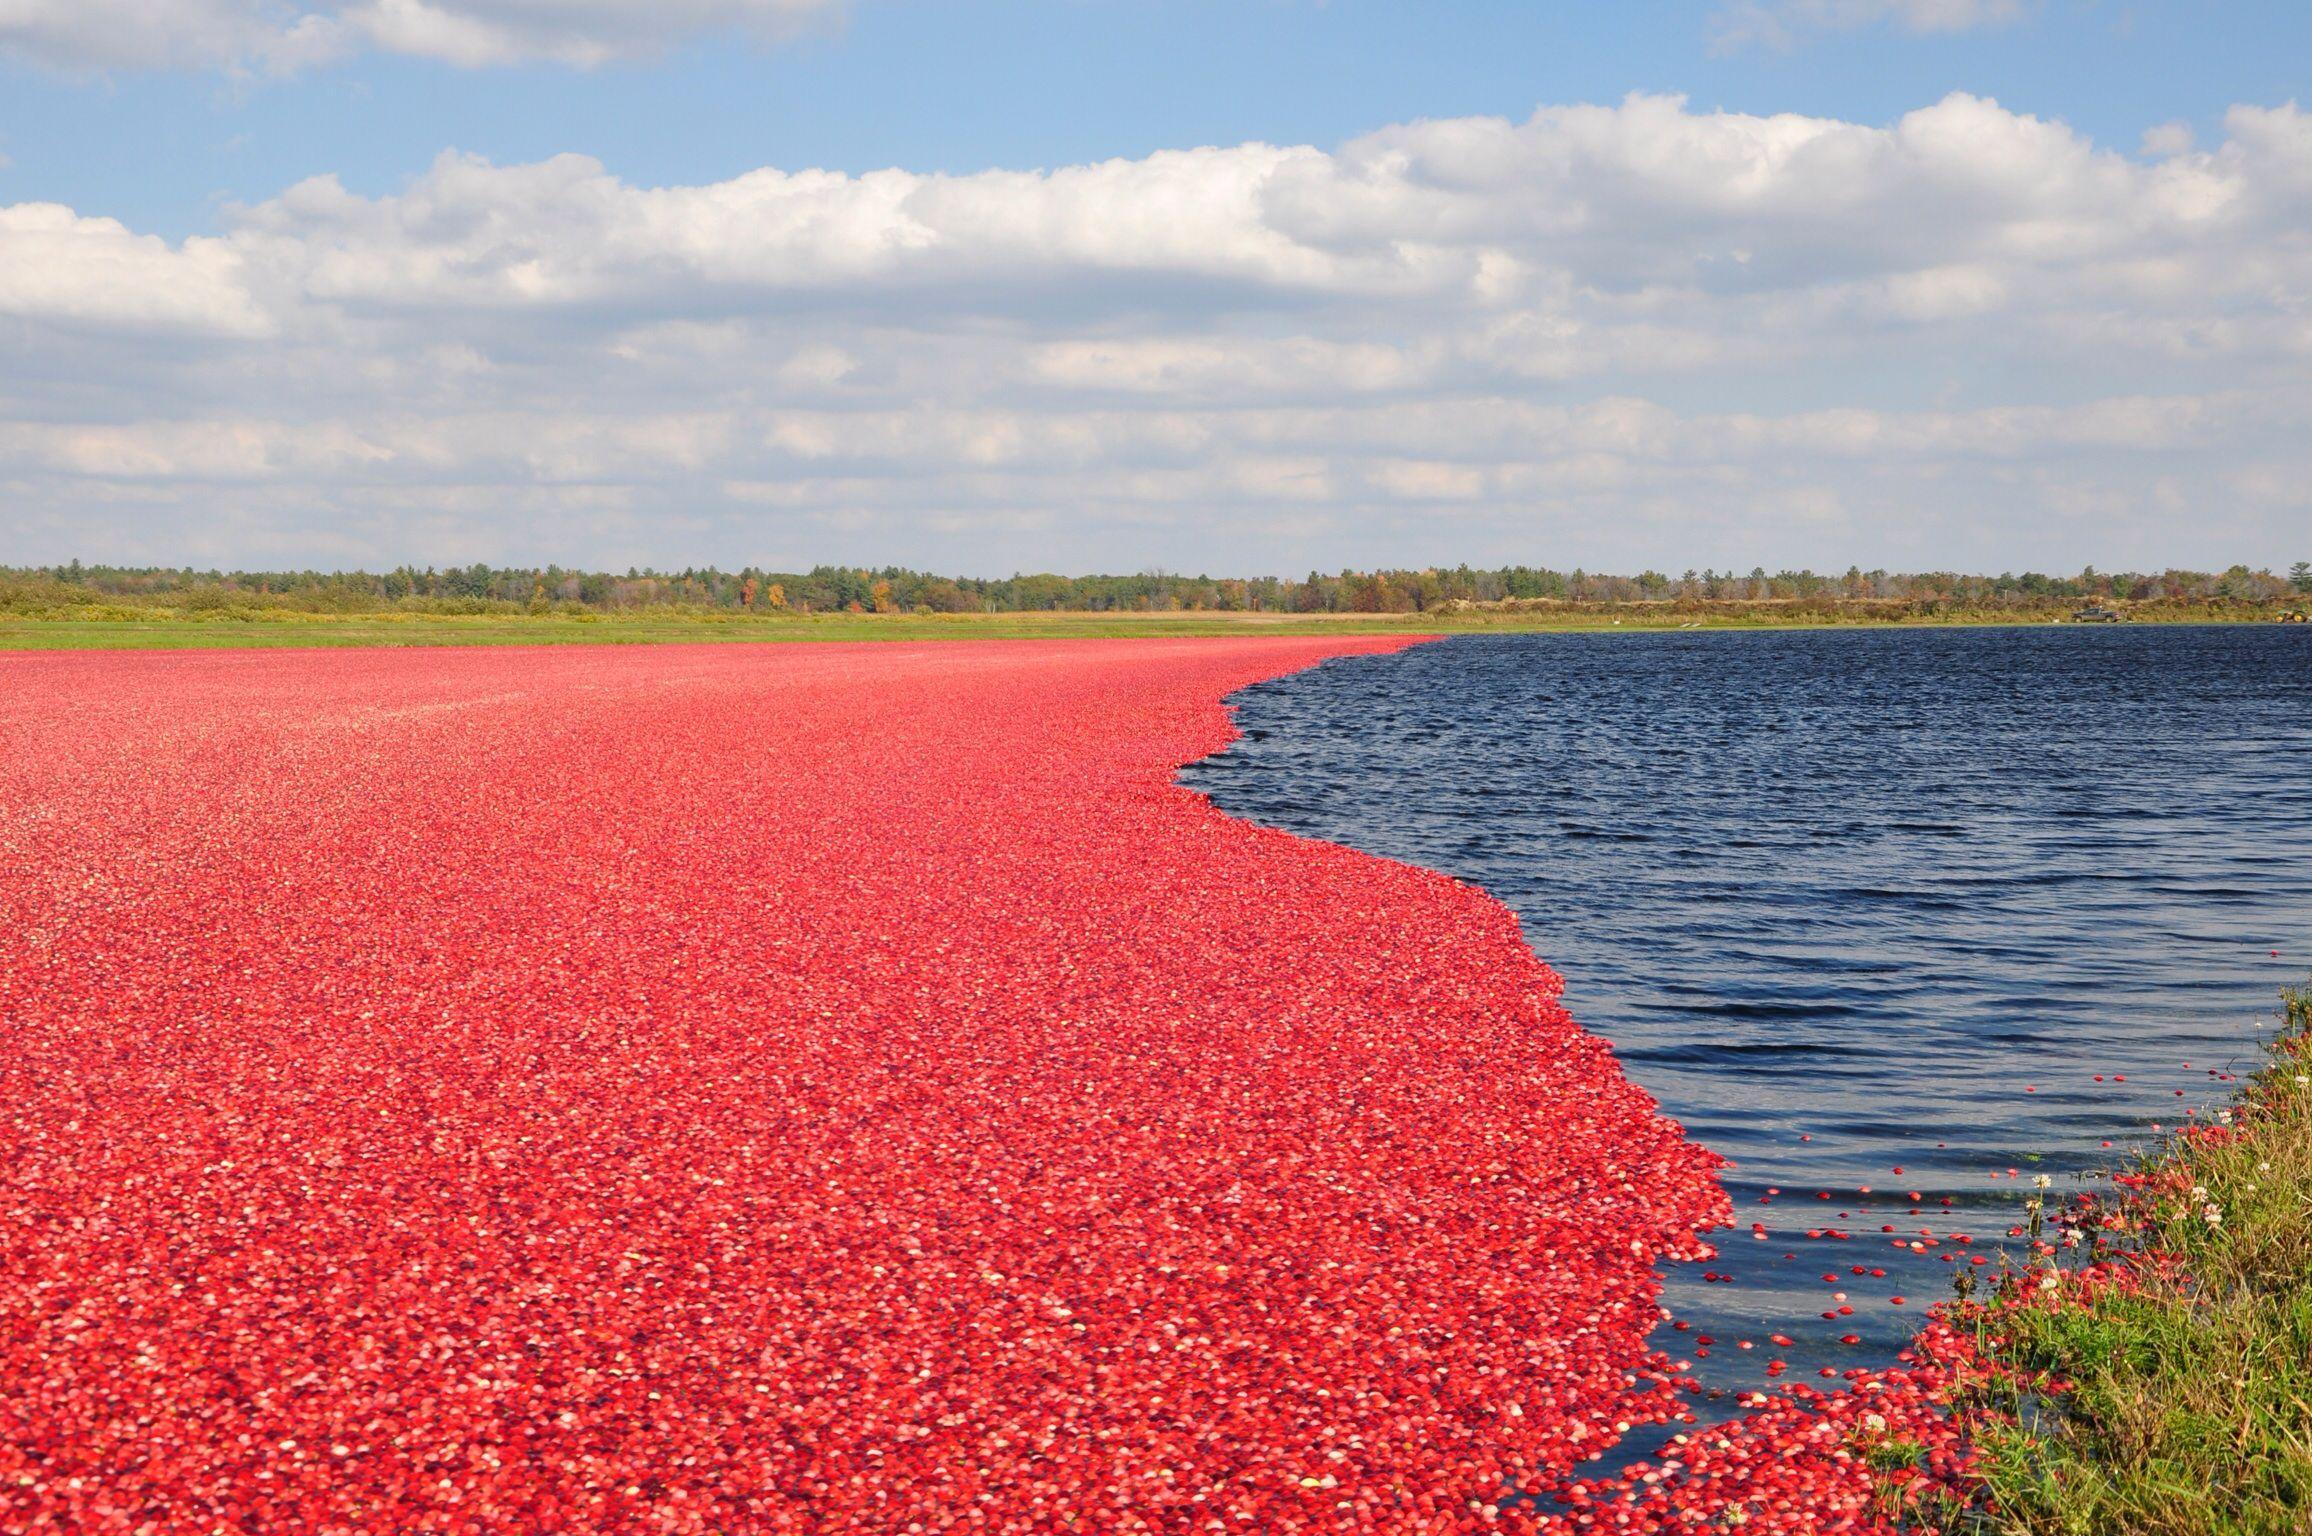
(1976, 905)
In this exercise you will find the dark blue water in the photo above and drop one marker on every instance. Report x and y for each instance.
(1849, 903)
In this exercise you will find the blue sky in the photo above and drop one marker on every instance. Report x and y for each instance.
(1899, 282)
(962, 85)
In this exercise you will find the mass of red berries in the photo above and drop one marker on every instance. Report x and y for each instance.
(812, 1089)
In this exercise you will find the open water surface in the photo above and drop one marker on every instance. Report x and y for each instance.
(1975, 905)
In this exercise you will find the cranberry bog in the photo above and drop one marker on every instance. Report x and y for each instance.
(828, 1089)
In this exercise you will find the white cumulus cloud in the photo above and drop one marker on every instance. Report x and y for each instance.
(1603, 335)
(77, 272)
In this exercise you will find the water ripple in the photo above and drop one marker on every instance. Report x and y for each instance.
(1971, 904)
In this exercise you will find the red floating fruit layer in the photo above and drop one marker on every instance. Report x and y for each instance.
(814, 1089)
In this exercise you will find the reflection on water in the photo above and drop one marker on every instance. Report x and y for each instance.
(1897, 921)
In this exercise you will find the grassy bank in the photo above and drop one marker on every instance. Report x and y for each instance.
(158, 626)
(287, 627)
(2156, 1351)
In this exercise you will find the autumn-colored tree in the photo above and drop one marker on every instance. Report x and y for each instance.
(942, 596)
(834, 589)
(1372, 594)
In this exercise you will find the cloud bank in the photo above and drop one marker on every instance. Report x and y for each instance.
(1619, 335)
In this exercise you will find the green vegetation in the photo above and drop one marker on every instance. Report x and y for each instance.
(263, 627)
(2172, 1395)
(102, 606)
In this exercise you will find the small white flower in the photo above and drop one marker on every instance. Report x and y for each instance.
(2048, 1282)
(2215, 1215)
(2042, 1181)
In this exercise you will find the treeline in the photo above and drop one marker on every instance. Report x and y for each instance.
(895, 589)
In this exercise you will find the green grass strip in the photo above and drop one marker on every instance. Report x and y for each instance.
(2179, 1402)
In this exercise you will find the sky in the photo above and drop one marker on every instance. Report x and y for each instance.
(1257, 287)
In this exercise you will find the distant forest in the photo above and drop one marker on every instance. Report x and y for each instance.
(894, 589)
